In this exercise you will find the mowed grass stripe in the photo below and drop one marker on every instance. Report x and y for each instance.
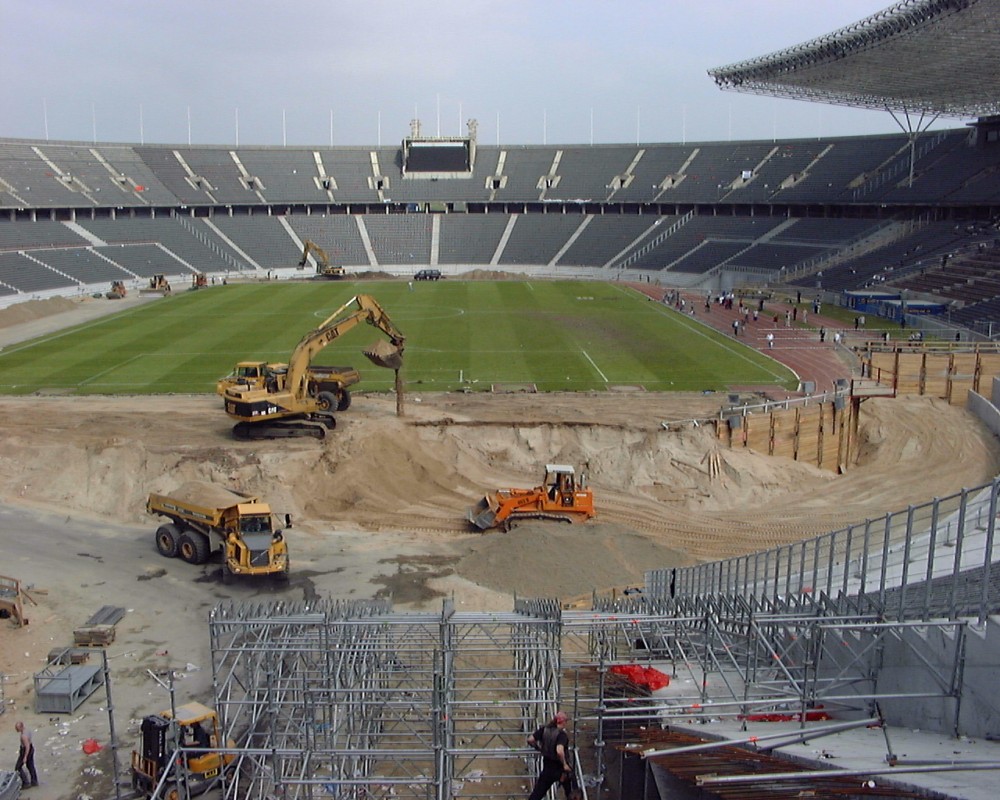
(548, 333)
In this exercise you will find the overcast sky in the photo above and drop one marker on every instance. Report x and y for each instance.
(530, 71)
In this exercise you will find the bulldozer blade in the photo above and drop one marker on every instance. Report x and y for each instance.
(384, 354)
(482, 516)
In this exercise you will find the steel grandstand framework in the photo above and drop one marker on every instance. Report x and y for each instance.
(926, 57)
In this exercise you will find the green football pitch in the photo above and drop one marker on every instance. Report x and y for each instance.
(556, 335)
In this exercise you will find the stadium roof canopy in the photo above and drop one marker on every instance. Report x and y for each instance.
(928, 57)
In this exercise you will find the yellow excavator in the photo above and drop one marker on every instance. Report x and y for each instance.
(291, 403)
(324, 269)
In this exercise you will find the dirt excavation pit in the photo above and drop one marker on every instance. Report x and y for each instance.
(415, 476)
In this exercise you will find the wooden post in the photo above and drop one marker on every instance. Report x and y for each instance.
(399, 395)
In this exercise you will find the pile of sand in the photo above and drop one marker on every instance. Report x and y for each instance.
(31, 310)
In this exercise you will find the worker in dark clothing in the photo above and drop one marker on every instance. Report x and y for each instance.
(552, 742)
(25, 768)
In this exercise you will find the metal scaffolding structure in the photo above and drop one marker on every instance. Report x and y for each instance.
(825, 666)
(355, 700)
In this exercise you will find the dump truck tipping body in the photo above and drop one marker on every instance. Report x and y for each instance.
(204, 517)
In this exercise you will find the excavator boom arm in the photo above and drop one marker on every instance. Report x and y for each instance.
(311, 247)
(337, 324)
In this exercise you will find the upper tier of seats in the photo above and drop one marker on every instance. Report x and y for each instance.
(845, 170)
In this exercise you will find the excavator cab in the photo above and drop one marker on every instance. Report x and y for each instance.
(561, 482)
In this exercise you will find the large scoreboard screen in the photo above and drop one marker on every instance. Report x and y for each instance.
(436, 157)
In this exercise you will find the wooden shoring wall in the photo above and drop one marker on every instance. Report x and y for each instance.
(933, 370)
(818, 433)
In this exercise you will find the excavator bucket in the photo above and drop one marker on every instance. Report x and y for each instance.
(483, 515)
(384, 354)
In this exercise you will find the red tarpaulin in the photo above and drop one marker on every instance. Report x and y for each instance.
(648, 677)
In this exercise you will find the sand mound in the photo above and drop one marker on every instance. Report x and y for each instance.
(31, 310)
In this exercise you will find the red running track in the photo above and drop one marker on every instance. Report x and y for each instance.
(796, 346)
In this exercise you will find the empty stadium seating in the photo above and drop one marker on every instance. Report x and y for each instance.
(759, 208)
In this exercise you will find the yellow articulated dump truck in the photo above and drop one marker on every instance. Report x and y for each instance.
(204, 517)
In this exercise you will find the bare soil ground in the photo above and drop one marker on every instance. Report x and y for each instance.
(379, 508)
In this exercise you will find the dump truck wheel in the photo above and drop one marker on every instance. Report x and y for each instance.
(326, 401)
(227, 576)
(202, 546)
(344, 402)
(193, 547)
(166, 540)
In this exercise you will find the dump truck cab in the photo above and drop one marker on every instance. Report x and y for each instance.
(193, 725)
(248, 375)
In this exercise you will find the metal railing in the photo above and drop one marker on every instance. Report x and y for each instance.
(930, 560)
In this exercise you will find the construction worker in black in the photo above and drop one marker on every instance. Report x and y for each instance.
(552, 742)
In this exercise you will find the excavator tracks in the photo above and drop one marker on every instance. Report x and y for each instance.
(254, 431)
(514, 520)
